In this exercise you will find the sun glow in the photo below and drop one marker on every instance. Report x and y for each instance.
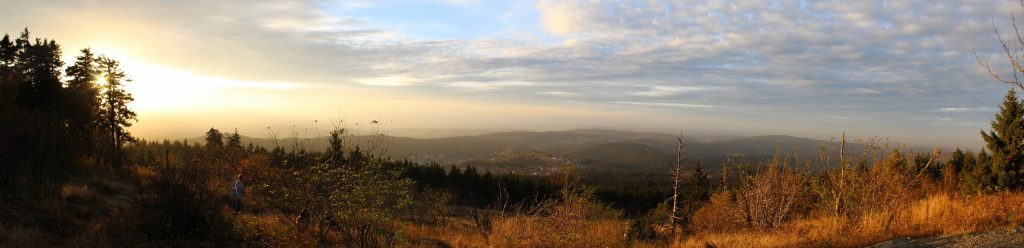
(158, 88)
(101, 79)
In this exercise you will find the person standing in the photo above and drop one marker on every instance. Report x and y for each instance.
(303, 220)
(238, 191)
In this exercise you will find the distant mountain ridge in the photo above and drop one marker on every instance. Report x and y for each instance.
(613, 148)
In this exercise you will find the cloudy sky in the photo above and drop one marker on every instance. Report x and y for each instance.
(893, 69)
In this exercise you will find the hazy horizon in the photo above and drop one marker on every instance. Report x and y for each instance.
(890, 69)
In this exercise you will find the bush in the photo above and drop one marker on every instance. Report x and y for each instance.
(178, 208)
(653, 225)
(576, 219)
(720, 214)
(770, 197)
(429, 206)
(355, 200)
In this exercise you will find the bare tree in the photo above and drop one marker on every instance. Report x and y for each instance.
(725, 171)
(677, 180)
(840, 180)
(769, 198)
(1013, 48)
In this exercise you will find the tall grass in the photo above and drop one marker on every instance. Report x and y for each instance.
(936, 214)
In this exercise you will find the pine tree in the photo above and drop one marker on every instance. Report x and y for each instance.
(7, 52)
(81, 99)
(336, 153)
(958, 161)
(980, 177)
(698, 183)
(39, 65)
(8, 85)
(1006, 142)
(214, 139)
(235, 140)
(115, 116)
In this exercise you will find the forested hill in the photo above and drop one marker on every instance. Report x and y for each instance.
(615, 147)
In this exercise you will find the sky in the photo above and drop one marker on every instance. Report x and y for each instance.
(902, 70)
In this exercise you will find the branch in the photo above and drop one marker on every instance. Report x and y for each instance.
(1015, 65)
(935, 153)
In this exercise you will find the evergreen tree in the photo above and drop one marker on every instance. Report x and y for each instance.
(979, 178)
(214, 139)
(958, 161)
(34, 149)
(698, 184)
(235, 140)
(8, 85)
(1006, 142)
(115, 116)
(81, 99)
(336, 153)
(39, 65)
(7, 52)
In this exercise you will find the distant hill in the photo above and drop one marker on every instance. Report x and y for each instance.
(623, 155)
(765, 145)
(521, 162)
(588, 147)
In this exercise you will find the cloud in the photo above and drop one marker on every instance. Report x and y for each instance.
(398, 80)
(667, 104)
(798, 59)
(558, 93)
(661, 91)
(957, 110)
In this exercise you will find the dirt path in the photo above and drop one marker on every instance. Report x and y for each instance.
(1008, 237)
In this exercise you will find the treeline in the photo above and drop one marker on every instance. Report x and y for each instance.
(53, 117)
(638, 192)
(472, 188)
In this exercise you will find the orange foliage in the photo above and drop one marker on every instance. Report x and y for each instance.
(938, 214)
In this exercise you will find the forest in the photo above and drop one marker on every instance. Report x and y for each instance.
(75, 176)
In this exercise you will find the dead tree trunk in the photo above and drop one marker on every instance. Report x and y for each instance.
(725, 172)
(837, 206)
(677, 179)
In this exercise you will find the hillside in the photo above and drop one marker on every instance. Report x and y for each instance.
(622, 155)
(520, 162)
(589, 147)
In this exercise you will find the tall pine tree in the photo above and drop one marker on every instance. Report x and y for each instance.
(115, 116)
(1006, 143)
(7, 52)
(81, 99)
(39, 65)
(8, 86)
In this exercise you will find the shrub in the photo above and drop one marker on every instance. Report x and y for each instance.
(178, 208)
(770, 197)
(720, 214)
(575, 219)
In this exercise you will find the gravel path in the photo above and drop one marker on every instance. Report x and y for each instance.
(1009, 237)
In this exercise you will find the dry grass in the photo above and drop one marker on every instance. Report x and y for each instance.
(19, 236)
(935, 215)
(272, 230)
(522, 231)
(77, 193)
(539, 232)
(144, 175)
(454, 232)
